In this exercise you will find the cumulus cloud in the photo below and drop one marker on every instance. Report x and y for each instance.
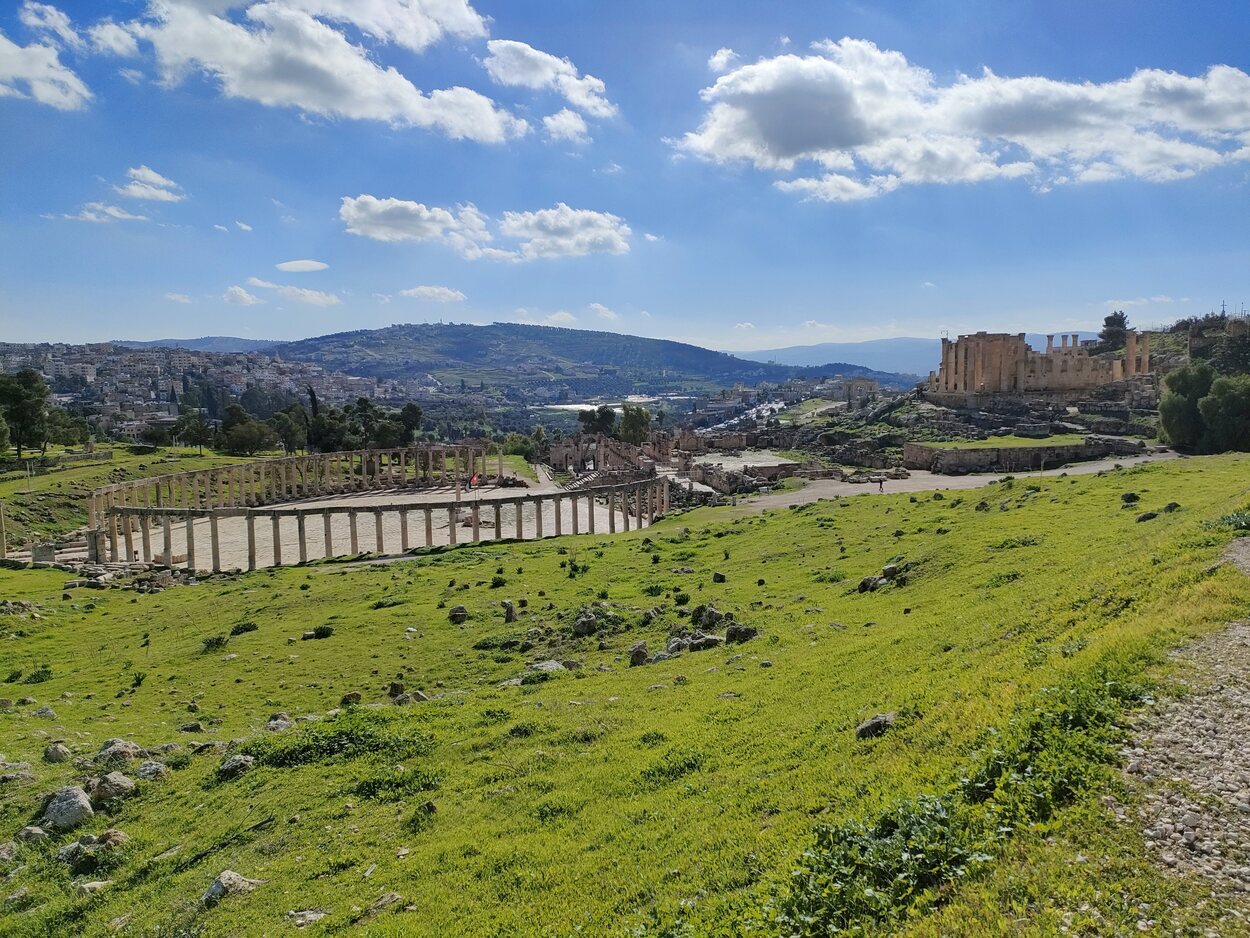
(221, 228)
(744, 325)
(722, 60)
(50, 23)
(101, 212)
(240, 297)
(561, 318)
(520, 65)
(289, 53)
(434, 294)
(36, 72)
(604, 312)
(111, 39)
(301, 266)
(567, 125)
(177, 297)
(296, 294)
(150, 185)
(242, 226)
(555, 232)
(857, 121)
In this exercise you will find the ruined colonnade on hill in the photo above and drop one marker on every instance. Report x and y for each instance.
(143, 520)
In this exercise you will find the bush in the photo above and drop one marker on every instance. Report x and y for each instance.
(497, 581)
(213, 643)
(671, 766)
(39, 675)
(323, 631)
(243, 628)
(681, 599)
(353, 733)
(396, 783)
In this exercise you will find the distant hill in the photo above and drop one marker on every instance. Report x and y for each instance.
(512, 354)
(908, 355)
(208, 343)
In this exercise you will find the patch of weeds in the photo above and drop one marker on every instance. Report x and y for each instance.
(39, 675)
(652, 738)
(243, 628)
(497, 581)
(213, 643)
(354, 732)
(830, 576)
(396, 783)
(1002, 579)
(387, 602)
(522, 730)
(1011, 543)
(675, 763)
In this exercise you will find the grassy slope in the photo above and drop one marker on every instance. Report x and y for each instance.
(610, 799)
(54, 503)
(1008, 442)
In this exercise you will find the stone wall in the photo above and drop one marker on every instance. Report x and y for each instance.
(960, 461)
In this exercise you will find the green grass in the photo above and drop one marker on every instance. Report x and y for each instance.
(671, 799)
(1008, 442)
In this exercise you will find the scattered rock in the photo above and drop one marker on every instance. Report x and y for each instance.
(234, 766)
(31, 833)
(875, 726)
(718, 578)
(90, 889)
(279, 722)
(229, 883)
(1147, 516)
(110, 787)
(151, 770)
(193, 727)
(550, 665)
(638, 655)
(46, 712)
(85, 854)
(350, 698)
(57, 752)
(509, 611)
(8, 851)
(736, 634)
(66, 809)
(457, 615)
(305, 918)
(395, 689)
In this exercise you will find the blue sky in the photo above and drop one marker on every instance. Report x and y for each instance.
(740, 175)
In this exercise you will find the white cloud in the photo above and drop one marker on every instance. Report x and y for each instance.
(434, 294)
(644, 314)
(604, 312)
(928, 283)
(567, 125)
(177, 297)
(35, 71)
(868, 121)
(518, 64)
(555, 232)
(49, 22)
(243, 226)
(101, 212)
(561, 318)
(281, 55)
(722, 60)
(382, 297)
(652, 237)
(132, 75)
(301, 266)
(566, 232)
(296, 294)
(744, 325)
(241, 297)
(221, 228)
(611, 169)
(110, 39)
(150, 185)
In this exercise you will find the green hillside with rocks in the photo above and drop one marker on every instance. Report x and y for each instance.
(903, 714)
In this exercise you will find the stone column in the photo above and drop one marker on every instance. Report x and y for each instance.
(353, 535)
(612, 512)
(145, 531)
(167, 535)
(214, 543)
(573, 505)
(653, 495)
(403, 530)
(112, 538)
(520, 520)
(625, 506)
(1145, 355)
(1130, 353)
(453, 518)
(403, 467)
(301, 533)
(590, 504)
(277, 540)
(556, 502)
(477, 520)
(377, 530)
(498, 521)
(538, 517)
(128, 537)
(189, 535)
(500, 476)
(251, 541)
(327, 533)
(638, 502)
(429, 527)
(442, 465)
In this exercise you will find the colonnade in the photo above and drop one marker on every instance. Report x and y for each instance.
(263, 482)
(148, 533)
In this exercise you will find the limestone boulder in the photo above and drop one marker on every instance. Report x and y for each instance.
(67, 809)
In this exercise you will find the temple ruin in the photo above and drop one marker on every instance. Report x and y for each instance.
(1001, 363)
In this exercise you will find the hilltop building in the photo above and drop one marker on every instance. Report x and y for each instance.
(1003, 364)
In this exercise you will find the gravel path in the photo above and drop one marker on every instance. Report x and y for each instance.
(1194, 754)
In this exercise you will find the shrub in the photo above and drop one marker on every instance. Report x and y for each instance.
(655, 589)
(243, 628)
(396, 783)
(671, 766)
(323, 631)
(353, 733)
(681, 599)
(213, 643)
(497, 581)
(387, 602)
(39, 675)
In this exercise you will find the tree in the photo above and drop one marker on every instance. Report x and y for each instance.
(24, 406)
(194, 430)
(236, 414)
(64, 429)
(410, 417)
(1114, 334)
(250, 438)
(290, 430)
(600, 420)
(329, 432)
(155, 437)
(387, 434)
(539, 436)
(1226, 413)
(635, 424)
(1179, 417)
(4, 435)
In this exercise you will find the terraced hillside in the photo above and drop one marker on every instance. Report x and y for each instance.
(1009, 631)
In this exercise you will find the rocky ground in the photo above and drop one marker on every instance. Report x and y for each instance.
(1193, 754)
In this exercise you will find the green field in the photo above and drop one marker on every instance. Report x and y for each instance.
(669, 800)
(1009, 442)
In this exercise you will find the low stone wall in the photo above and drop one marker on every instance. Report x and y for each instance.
(960, 461)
